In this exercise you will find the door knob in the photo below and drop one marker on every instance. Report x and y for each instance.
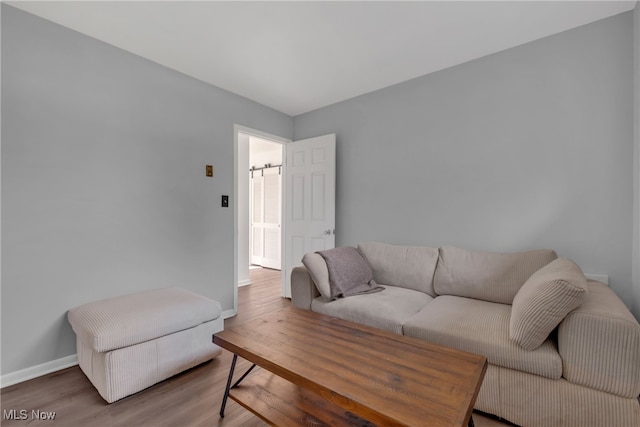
(327, 232)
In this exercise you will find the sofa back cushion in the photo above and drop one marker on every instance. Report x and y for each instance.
(488, 276)
(409, 267)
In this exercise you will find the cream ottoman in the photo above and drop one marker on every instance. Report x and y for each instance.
(128, 343)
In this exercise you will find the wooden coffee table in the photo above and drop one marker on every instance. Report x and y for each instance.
(319, 370)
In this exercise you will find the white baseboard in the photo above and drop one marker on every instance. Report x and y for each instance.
(37, 371)
(244, 283)
(229, 313)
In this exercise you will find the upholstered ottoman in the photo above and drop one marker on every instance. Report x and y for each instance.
(128, 343)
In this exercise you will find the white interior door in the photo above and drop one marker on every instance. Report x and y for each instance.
(265, 218)
(309, 202)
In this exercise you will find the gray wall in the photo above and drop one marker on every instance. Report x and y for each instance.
(103, 153)
(103, 185)
(527, 148)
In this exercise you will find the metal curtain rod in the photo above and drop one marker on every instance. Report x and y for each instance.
(266, 166)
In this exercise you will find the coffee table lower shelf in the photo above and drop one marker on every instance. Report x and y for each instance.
(281, 403)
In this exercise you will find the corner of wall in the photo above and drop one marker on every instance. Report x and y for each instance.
(636, 164)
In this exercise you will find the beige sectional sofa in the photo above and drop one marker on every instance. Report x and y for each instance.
(562, 350)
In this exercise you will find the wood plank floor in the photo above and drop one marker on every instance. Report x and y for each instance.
(191, 398)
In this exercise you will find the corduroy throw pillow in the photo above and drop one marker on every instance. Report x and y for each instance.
(544, 300)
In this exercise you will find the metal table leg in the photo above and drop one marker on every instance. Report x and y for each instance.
(229, 386)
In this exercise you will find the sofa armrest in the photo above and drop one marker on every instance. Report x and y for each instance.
(303, 290)
(599, 343)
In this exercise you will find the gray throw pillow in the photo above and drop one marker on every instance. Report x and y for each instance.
(349, 272)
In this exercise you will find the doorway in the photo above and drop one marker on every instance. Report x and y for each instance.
(265, 203)
(259, 187)
(307, 201)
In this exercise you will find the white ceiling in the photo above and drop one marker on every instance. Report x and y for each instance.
(299, 56)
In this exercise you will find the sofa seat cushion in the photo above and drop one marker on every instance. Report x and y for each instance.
(410, 267)
(489, 276)
(387, 309)
(130, 319)
(481, 327)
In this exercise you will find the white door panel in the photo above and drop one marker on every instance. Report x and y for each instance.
(265, 220)
(272, 204)
(310, 200)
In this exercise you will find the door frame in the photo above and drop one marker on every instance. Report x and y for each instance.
(237, 169)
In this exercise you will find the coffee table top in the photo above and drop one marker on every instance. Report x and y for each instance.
(385, 378)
